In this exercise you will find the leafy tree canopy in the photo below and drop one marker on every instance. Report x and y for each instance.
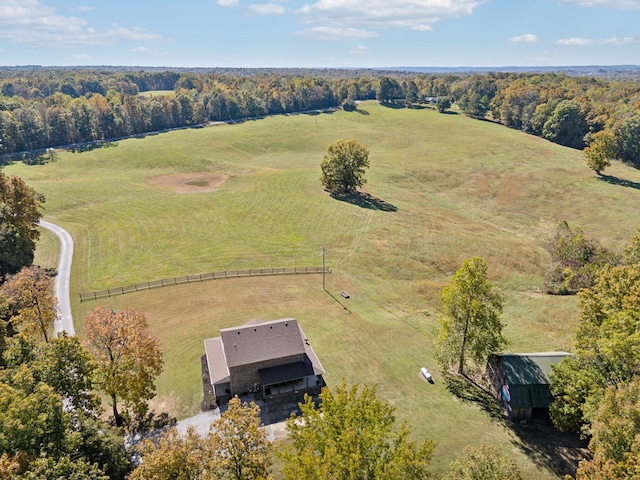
(470, 326)
(343, 166)
(351, 436)
(483, 463)
(576, 260)
(600, 152)
(128, 358)
(607, 348)
(615, 443)
(236, 448)
(443, 103)
(19, 216)
(29, 297)
(239, 447)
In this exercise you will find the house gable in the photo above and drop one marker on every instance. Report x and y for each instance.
(255, 343)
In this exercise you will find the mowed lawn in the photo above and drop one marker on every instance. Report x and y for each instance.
(444, 188)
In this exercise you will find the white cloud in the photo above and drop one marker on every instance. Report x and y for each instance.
(360, 50)
(619, 41)
(384, 13)
(228, 3)
(80, 57)
(336, 33)
(573, 42)
(617, 4)
(526, 38)
(85, 8)
(266, 9)
(422, 28)
(34, 24)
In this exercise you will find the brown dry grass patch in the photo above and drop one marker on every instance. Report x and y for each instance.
(194, 182)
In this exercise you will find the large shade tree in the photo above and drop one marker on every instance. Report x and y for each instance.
(600, 152)
(239, 447)
(19, 216)
(607, 348)
(343, 166)
(470, 326)
(30, 301)
(615, 441)
(352, 436)
(236, 448)
(49, 420)
(127, 356)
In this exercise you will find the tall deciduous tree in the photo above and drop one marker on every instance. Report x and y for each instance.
(236, 448)
(343, 166)
(470, 326)
(352, 436)
(443, 103)
(566, 125)
(19, 216)
(239, 447)
(600, 152)
(607, 348)
(29, 295)
(128, 358)
(615, 443)
(66, 365)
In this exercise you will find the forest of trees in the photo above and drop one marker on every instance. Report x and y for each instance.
(42, 108)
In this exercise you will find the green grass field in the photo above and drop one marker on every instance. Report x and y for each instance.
(457, 187)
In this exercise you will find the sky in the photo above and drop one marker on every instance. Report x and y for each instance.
(320, 33)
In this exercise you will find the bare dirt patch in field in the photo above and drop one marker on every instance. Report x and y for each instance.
(195, 182)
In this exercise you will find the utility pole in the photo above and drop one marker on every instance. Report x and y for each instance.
(323, 270)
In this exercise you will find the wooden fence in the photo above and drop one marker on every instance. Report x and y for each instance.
(200, 278)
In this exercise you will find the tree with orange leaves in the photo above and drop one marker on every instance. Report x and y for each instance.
(32, 305)
(128, 359)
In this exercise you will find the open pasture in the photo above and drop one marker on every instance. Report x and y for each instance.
(442, 189)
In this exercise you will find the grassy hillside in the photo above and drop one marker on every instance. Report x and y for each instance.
(445, 188)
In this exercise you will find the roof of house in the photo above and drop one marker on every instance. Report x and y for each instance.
(218, 370)
(529, 368)
(258, 341)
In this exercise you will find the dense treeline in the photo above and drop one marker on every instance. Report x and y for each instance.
(37, 113)
(565, 110)
(43, 108)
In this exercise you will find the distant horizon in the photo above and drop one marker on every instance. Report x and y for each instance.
(356, 67)
(320, 33)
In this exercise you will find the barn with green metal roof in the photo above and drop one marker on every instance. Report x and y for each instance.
(521, 381)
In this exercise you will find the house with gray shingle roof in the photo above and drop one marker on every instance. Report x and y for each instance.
(271, 360)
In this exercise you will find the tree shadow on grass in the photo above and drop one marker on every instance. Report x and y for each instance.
(365, 200)
(469, 391)
(547, 447)
(538, 440)
(394, 105)
(620, 181)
